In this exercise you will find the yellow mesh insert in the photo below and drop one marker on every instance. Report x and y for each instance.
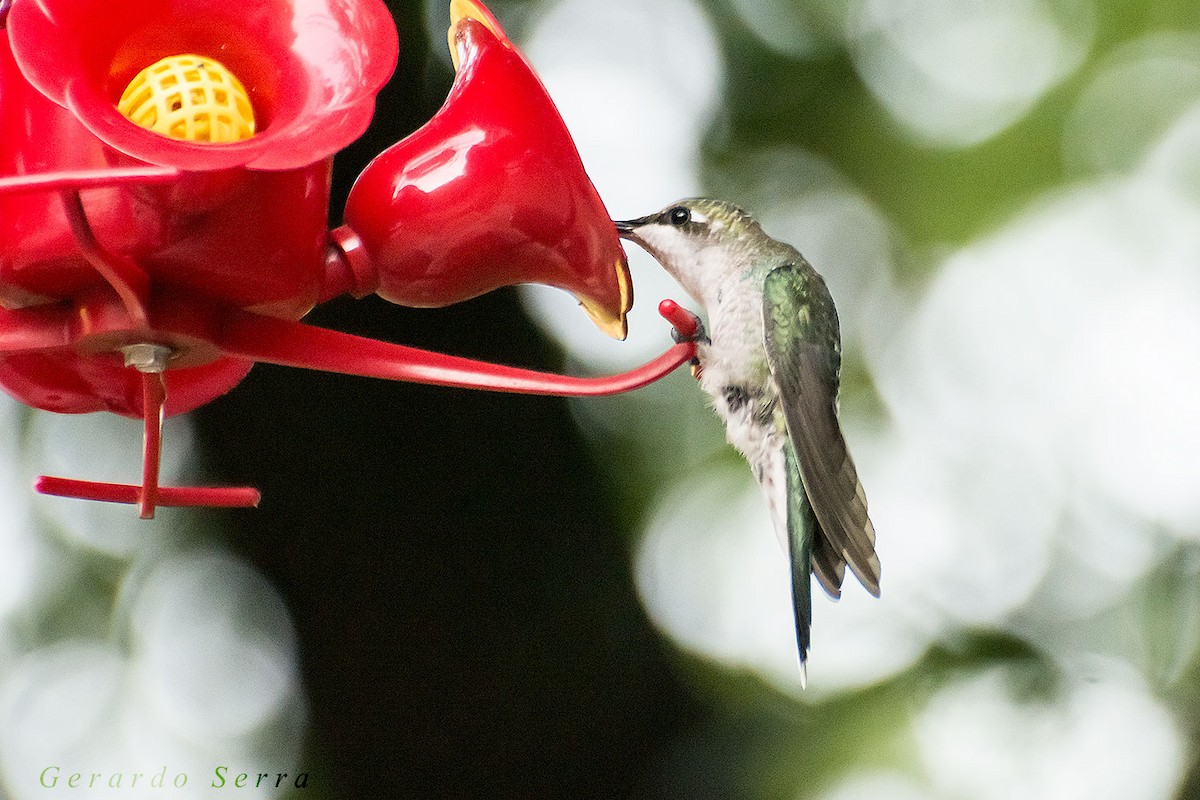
(189, 97)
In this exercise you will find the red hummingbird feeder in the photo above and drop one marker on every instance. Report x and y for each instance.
(164, 188)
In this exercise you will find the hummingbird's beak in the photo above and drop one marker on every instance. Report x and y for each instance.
(626, 228)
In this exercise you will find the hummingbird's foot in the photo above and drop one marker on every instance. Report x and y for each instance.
(698, 335)
(686, 328)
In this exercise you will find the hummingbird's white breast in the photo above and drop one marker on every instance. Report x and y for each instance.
(737, 377)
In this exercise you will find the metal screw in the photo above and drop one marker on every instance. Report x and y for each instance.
(146, 357)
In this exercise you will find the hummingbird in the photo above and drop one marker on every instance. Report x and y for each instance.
(771, 363)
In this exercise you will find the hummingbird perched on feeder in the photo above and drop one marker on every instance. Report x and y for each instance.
(771, 362)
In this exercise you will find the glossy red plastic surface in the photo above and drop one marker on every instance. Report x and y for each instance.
(244, 338)
(491, 192)
(295, 344)
(312, 69)
(66, 358)
(204, 223)
(194, 496)
(113, 236)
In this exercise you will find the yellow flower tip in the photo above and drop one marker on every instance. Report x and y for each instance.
(612, 321)
(469, 9)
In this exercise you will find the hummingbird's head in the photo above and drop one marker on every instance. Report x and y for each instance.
(697, 234)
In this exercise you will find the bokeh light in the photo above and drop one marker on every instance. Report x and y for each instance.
(1132, 96)
(639, 137)
(989, 736)
(957, 72)
(164, 656)
(216, 651)
(1020, 402)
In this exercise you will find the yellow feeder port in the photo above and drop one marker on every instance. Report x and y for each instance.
(189, 97)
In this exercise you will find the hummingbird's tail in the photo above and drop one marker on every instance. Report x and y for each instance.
(802, 530)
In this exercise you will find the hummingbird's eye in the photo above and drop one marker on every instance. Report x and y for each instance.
(679, 216)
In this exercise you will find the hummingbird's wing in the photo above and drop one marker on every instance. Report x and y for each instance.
(803, 350)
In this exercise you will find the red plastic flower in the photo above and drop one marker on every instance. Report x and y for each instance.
(312, 69)
(144, 274)
(491, 192)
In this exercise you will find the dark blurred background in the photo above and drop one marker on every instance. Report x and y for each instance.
(456, 564)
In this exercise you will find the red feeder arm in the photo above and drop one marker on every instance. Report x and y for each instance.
(151, 251)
